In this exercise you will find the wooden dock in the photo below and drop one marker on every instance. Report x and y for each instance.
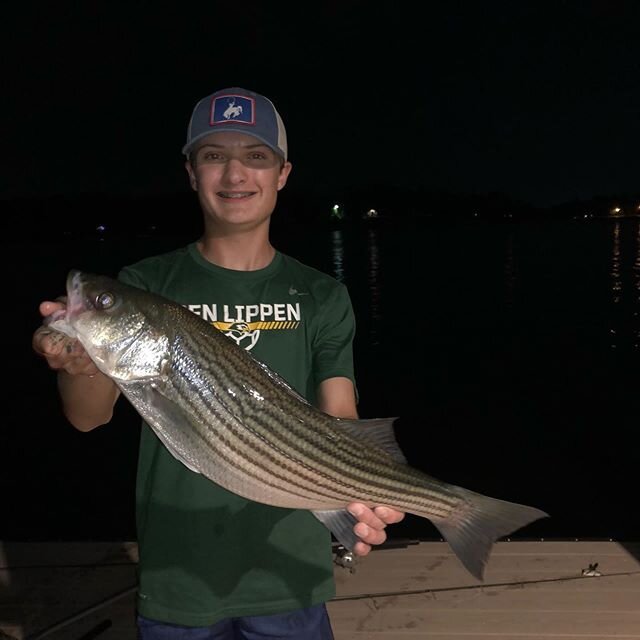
(533, 590)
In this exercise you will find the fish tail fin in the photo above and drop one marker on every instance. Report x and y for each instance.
(472, 530)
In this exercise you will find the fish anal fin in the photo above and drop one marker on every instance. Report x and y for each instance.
(377, 432)
(340, 522)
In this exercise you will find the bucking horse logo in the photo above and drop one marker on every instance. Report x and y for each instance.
(232, 111)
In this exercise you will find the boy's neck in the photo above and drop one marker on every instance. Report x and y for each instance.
(241, 253)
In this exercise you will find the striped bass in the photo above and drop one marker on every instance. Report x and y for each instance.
(229, 417)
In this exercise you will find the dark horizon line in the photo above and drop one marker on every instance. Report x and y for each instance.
(394, 196)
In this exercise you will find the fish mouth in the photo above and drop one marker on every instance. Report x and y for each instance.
(63, 319)
(76, 300)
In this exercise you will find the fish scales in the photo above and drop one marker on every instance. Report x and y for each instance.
(235, 438)
(240, 405)
(229, 417)
(246, 434)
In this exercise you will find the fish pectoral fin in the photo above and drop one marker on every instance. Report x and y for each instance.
(375, 431)
(340, 522)
(162, 414)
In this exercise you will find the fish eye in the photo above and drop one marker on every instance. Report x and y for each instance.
(104, 300)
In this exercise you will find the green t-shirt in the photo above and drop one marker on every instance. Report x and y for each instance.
(206, 553)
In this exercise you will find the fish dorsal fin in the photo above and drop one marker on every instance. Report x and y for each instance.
(377, 432)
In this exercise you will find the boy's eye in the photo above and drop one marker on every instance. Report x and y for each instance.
(254, 159)
(211, 156)
(260, 160)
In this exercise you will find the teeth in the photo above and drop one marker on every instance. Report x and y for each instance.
(234, 195)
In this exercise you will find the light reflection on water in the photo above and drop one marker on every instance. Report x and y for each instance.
(624, 326)
(374, 285)
(616, 280)
(337, 246)
(340, 247)
(636, 300)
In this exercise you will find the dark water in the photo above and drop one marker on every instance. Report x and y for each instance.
(509, 351)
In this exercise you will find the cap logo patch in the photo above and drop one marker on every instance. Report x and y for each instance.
(232, 108)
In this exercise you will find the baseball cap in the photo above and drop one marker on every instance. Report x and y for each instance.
(239, 110)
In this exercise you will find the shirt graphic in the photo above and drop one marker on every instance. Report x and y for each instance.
(243, 323)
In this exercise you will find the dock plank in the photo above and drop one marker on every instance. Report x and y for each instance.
(533, 590)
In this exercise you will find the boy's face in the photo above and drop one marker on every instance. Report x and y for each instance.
(237, 179)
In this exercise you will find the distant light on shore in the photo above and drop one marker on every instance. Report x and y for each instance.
(337, 212)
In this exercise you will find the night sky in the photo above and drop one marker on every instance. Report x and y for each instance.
(536, 100)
